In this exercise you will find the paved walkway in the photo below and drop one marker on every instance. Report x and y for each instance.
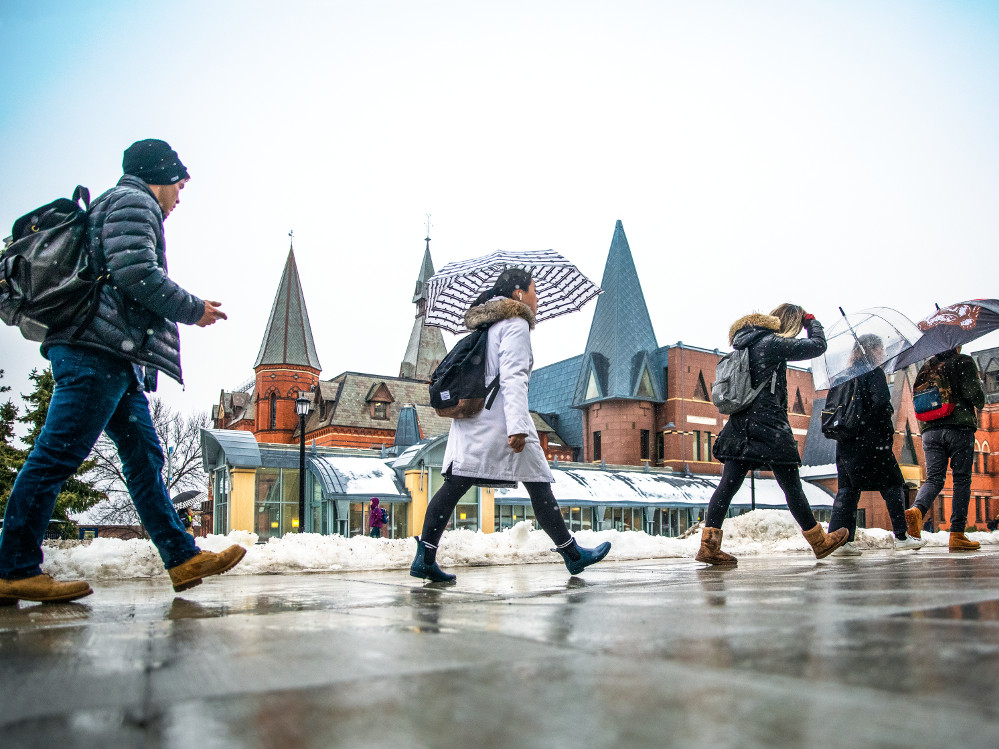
(886, 650)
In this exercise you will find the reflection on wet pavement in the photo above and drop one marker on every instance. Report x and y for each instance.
(664, 653)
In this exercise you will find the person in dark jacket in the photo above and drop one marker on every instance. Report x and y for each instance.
(867, 462)
(951, 438)
(102, 372)
(760, 435)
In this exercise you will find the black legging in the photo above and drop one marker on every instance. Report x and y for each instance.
(546, 509)
(734, 474)
(844, 514)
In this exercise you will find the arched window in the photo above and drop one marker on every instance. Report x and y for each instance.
(273, 411)
(985, 458)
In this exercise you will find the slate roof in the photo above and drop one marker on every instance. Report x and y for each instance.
(288, 337)
(550, 395)
(426, 348)
(236, 406)
(621, 334)
(343, 401)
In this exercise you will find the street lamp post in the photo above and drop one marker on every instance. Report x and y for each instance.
(302, 409)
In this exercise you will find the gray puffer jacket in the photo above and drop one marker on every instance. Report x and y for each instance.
(138, 310)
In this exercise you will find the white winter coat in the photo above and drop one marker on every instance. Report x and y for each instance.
(477, 446)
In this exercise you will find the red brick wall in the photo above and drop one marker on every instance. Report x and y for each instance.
(285, 381)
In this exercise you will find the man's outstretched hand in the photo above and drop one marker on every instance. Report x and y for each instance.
(211, 315)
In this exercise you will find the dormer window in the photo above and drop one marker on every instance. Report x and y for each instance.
(379, 397)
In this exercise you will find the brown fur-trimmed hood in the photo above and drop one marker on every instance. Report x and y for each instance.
(754, 320)
(496, 309)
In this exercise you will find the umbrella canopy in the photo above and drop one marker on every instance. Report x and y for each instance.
(951, 326)
(560, 286)
(189, 499)
(860, 342)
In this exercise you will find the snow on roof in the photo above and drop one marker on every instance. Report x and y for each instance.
(344, 475)
(592, 487)
(814, 472)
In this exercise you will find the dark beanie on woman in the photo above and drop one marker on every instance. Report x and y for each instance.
(154, 162)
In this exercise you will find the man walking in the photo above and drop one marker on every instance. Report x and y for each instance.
(950, 438)
(102, 372)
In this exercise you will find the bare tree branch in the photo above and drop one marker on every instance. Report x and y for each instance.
(180, 439)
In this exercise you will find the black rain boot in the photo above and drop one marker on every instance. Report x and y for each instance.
(425, 564)
(578, 558)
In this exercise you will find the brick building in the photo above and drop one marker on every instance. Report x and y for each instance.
(626, 400)
(352, 409)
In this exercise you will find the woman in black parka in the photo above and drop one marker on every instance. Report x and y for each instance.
(760, 436)
(867, 462)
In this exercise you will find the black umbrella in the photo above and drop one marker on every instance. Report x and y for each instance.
(948, 327)
(189, 499)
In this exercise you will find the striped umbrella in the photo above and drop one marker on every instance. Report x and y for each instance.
(560, 286)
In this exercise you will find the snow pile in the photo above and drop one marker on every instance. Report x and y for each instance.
(760, 532)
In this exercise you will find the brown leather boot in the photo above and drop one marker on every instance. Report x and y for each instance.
(41, 588)
(824, 544)
(914, 522)
(188, 574)
(960, 542)
(710, 551)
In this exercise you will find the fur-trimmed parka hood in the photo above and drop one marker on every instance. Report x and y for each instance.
(496, 309)
(754, 320)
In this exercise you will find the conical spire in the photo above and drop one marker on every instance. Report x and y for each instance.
(621, 341)
(288, 338)
(426, 346)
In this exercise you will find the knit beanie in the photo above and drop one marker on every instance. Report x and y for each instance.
(154, 162)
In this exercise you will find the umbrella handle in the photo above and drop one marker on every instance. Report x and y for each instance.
(853, 332)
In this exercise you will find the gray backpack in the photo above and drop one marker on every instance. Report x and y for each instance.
(733, 389)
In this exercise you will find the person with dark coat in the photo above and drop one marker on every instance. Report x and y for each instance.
(102, 372)
(760, 436)
(500, 444)
(866, 462)
(950, 438)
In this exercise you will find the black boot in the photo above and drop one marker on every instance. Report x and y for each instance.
(425, 565)
(578, 558)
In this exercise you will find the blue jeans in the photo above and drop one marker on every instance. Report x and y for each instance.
(94, 392)
(940, 446)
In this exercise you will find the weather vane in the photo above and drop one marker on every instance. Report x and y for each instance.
(428, 227)
(291, 240)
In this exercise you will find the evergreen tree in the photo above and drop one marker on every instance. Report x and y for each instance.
(11, 458)
(77, 494)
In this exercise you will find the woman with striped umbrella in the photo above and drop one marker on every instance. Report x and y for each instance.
(500, 443)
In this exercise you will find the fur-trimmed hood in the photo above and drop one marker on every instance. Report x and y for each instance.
(754, 320)
(496, 309)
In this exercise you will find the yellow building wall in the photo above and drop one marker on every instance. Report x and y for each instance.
(241, 499)
(487, 509)
(418, 483)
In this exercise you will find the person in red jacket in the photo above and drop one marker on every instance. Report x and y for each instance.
(377, 518)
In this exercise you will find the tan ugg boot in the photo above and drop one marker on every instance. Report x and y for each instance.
(710, 551)
(824, 544)
(914, 522)
(188, 574)
(960, 542)
(41, 588)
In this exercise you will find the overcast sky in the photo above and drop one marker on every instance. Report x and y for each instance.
(830, 154)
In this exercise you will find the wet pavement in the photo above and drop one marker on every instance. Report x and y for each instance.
(884, 650)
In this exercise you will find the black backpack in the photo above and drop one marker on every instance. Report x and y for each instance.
(458, 387)
(48, 279)
(843, 413)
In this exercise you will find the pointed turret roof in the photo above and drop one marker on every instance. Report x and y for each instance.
(426, 346)
(617, 362)
(288, 338)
